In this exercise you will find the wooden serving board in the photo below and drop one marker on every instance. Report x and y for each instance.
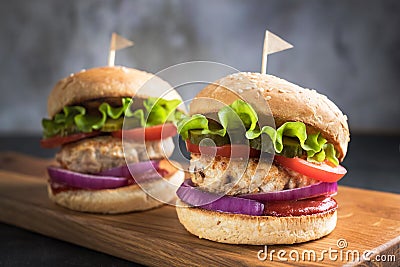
(368, 220)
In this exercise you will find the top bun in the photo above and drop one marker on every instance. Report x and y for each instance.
(286, 101)
(105, 82)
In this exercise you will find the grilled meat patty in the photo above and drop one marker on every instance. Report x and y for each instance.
(234, 176)
(93, 155)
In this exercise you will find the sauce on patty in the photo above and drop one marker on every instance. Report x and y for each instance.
(299, 207)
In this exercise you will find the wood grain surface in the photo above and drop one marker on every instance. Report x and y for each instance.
(368, 220)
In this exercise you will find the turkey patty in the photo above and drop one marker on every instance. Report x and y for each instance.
(93, 155)
(234, 176)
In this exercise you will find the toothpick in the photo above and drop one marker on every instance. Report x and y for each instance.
(111, 52)
(272, 44)
(117, 42)
(265, 54)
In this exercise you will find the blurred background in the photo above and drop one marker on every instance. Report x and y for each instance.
(348, 50)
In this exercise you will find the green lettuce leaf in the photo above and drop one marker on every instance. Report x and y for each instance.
(51, 128)
(237, 115)
(196, 121)
(63, 123)
(75, 118)
(88, 122)
(160, 110)
(330, 154)
(240, 114)
(311, 143)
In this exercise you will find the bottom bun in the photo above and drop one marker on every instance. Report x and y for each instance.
(255, 230)
(120, 200)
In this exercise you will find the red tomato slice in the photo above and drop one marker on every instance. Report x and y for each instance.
(151, 133)
(319, 171)
(56, 141)
(228, 151)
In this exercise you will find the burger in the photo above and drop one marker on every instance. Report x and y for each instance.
(265, 161)
(114, 127)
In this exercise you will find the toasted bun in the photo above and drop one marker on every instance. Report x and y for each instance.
(255, 230)
(107, 82)
(119, 200)
(287, 102)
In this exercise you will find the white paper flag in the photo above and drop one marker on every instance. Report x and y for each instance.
(272, 44)
(117, 42)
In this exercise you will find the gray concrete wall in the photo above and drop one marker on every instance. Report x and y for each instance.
(349, 50)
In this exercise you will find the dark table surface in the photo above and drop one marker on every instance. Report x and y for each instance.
(373, 162)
